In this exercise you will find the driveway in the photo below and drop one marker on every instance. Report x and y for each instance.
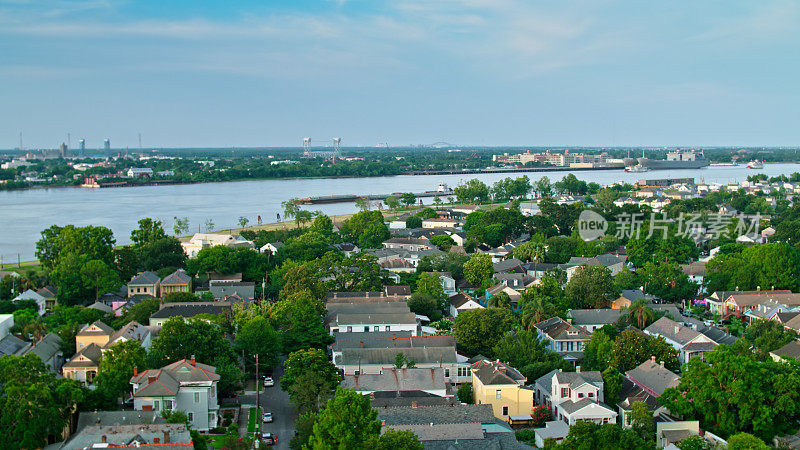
(276, 401)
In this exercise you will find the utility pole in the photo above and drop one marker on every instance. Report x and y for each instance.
(258, 398)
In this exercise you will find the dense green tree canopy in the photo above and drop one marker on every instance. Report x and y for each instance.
(523, 350)
(766, 266)
(116, 368)
(591, 287)
(479, 330)
(478, 269)
(365, 229)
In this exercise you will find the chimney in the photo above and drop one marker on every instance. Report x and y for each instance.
(578, 369)
(758, 288)
(367, 294)
(661, 363)
(135, 371)
(383, 423)
(653, 358)
(103, 439)
(156, 441)
(394, 336)
(166, 436)
(569, 320)
(151, 379)
(413, 404)
(193, 361)
(335, 294)
(362, 344)
(677, 327)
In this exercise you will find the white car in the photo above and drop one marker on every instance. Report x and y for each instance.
(267, 417)
(269, 382)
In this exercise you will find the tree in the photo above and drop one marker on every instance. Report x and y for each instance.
(530, 251)
(543, 187)
(443, 242)
(560, 249)
(408, 199)
(71, 286)
(642, 421)
(362, 203)
(175, 297)
(735, 391)
(431, 285)
(257, 337)
(587, 435)
(612, 385)
(499, 300)
(694, 442)
(322, 224)
(99, 277)
(421, 303)
(90, 242)
(297, 381)
(209, 225)
(744, 441)
(473, 191)
(366, 229)
(392, 439)
(116, 368)
(632, 348)
(524, 350)
(667, 281)
(479, 330)
(300, 323)
(767, 265)
(175, 416)
(465, 394)
(33, 403)
(413, 222)
(392, 202)
(243, 221)
(598, 351)
(478, 269)
(627, 279)
(401, 361)
(290, 208)
(149, 230)
(640, 314)
(302, 217)
(591, 287)
(347, 422)
(768, 335)
(181, 225)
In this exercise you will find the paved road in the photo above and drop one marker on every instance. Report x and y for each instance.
(276, 401)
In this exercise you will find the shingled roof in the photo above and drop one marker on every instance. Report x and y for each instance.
(164, 382)
(496, 372)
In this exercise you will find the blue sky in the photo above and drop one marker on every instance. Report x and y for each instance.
(470, 72)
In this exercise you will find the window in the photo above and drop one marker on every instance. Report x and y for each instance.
(366, 328)
(463, 371)
(564, 392)
(605, 420)
(349, 329)
(155, 405)
(498, 394)
(447, 373)
(190, 416)
(580, 395)
(591, 394)
(386, 328)
(505, 410)
(357, 373)
(197, 397)
(168, 404)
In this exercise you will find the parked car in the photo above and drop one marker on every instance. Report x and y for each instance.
(269, 438)
(267, 417)
(269, 382)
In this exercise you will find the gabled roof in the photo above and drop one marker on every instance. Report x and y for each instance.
(790, 350)
(177, 278)
(496, 372)
(48, 291)
(166, 380)
(459, 300)
(425, 415)
(91, 352)
(571, 407)
(594, 316)
(507, 265)
(47, 347)
(192, 310)
(633, 295)
(133, 330)
(144, 279)
(557, 328)
(397, 290)
(653, 377)
(574, 379)
(672, 330)
(98, 328)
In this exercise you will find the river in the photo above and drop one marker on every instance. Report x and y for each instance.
(24, 214)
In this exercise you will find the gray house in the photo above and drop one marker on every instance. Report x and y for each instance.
(184, 385)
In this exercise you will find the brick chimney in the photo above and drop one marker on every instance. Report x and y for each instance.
(661, 363)
(413, 404)
(653, 358)
(103, 439)
(135, 371)
(394, 336)
(156, 441)
(362, 344)
(193, 360)
(166, 436)
(578, 369)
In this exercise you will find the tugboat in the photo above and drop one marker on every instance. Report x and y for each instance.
(636, 169)
(755, 164)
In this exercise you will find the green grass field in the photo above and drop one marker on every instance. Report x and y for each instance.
(252, 420)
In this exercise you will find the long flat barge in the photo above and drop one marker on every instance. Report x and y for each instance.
(442, 191)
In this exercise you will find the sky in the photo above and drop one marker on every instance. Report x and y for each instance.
(250, 73)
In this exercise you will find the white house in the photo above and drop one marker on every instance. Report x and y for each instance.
(574, 396)
(563, 337)
(207, 240)
(448, 282)
(140, 172)
(462, 302)
(184, 385)
(30, 294)
(271, 247)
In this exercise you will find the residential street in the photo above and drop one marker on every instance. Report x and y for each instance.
(276, 401)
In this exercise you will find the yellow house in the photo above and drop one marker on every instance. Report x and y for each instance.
(503, 387)
(178, 281)
(96, 333)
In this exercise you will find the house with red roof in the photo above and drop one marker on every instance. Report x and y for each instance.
(184, 385)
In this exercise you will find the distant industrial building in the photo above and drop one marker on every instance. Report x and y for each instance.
(107, 144)
(82, 145)
(553, 158)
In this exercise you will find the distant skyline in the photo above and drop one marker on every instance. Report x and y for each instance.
(470, 72)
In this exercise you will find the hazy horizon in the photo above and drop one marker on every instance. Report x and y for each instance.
(476, 72)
